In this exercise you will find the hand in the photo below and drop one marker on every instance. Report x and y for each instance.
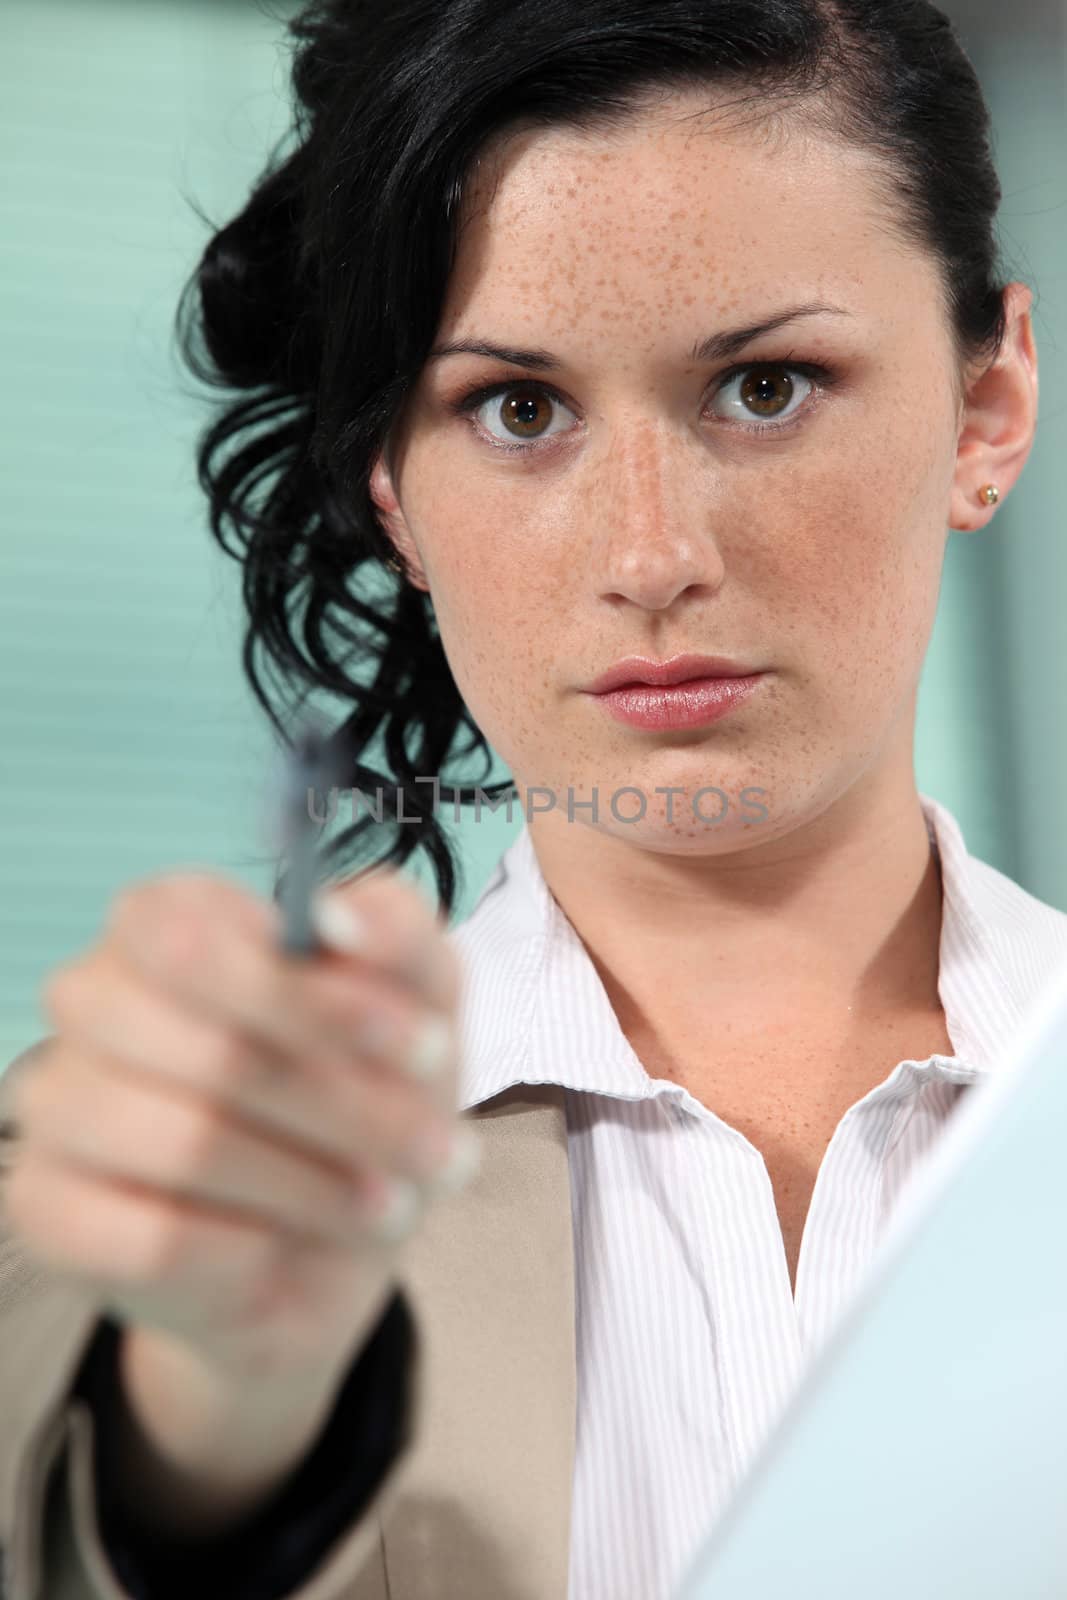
(207, 1139)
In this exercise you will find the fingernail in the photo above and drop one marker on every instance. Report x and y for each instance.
(339, 924)
(401, 1212)
(431, 1050)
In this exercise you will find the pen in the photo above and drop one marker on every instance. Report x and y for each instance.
(307, 777)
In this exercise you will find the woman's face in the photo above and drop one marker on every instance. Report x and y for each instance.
(642, 511)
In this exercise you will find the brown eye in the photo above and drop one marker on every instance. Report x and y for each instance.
(767, 392)
(522, 412)
(525, 412)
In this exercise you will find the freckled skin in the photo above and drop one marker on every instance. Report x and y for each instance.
(648, 518)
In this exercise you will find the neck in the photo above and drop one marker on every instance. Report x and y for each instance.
(838, 919)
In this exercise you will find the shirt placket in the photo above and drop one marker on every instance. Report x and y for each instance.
(756, 1339)
(846, 1211)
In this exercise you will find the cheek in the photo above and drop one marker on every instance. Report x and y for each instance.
(850, 586)
(484, 609)
(866, 538)
(492, 572)
(491, 565)
(497, 636)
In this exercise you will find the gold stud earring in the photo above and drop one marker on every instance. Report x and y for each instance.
(990, 494)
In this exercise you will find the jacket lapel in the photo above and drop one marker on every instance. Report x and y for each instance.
(485, 1508)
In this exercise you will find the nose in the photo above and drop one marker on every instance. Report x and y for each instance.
(659, 541)
(653, 572)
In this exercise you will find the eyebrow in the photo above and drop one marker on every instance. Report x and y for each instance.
(718, 347)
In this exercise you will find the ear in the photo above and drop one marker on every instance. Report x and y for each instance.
(393, 521)
(998, 418)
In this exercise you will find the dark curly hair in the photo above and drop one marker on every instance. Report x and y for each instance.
(317, 305)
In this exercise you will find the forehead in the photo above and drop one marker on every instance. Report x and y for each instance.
(685, 190)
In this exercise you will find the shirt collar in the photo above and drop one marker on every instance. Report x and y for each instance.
(534, 1009)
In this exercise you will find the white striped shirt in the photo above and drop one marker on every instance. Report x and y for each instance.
(689, 1340)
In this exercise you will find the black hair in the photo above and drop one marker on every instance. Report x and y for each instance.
(316, 306)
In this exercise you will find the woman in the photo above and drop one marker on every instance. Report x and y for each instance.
(621, 336)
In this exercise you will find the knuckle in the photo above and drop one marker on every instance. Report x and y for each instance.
(130, 904)
(180, 942)
(167, 913)
(234, 1061)
(73, 991)
(61, 989)
(192, 1142)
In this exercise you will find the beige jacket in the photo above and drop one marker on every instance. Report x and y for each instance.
(477, 1505)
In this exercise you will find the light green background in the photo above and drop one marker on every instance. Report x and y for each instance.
(130, 742)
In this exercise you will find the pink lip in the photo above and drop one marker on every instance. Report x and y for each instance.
(690, 704)
(677, 669)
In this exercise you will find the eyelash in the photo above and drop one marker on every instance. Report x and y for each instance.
(823, 377)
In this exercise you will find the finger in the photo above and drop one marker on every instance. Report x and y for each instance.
(199, 947)
(347, 1113)
(157, 1260)
(385, 922)
(238, 904)
(100, 1002)
(195, 1152)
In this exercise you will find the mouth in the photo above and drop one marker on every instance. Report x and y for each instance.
(691, 703)
(638, 671)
